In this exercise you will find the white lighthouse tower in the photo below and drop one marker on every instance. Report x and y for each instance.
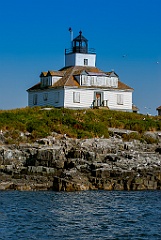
(80, 54)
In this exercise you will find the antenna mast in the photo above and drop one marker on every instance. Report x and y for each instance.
(71, 36)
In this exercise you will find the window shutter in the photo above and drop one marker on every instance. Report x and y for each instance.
(120, 99)
(76, 97)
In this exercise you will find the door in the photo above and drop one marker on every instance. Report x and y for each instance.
(98, 99)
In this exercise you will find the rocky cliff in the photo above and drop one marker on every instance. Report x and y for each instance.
(64, 164)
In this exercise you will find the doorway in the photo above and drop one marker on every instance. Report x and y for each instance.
(98, 99)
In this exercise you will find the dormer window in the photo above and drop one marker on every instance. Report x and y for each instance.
(85, 62)
(44, 82)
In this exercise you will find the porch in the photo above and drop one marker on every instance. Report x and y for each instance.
(97, 103)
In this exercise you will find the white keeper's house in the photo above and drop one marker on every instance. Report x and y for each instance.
(80, 84)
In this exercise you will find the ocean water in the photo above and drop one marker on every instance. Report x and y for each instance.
(80, 215)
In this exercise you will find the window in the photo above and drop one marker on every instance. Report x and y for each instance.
(76, 97)
(35, 99)
(99, 81)
(92, 80)
(85, 80)
(120, 99)
(45, 96)
(56, 97)
(85, 62)
(114, 81)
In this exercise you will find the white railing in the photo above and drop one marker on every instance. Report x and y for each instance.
(96, 103)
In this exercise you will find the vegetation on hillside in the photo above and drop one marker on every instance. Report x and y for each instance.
(74, 123)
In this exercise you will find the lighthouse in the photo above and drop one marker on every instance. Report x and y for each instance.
(79, 54)
(80, 84)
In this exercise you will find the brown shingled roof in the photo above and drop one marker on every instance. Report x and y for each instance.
(43, 74)
(35, 87)
(109, 73)
(56, 73)
(135, 108)
(79, 69)
(68, 79)
(123, 86)
(158, 108)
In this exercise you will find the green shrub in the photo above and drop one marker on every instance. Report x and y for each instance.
(76, 123)
(37, 128)
(149, 139)
(84, 134)
(132, 135)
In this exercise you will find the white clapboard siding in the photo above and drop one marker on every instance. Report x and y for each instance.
(77, 59)
(55, 79)
(86, 98)
(65, 98)
(111, 96)
(51, 100)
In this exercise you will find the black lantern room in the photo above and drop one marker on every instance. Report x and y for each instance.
(80, 44)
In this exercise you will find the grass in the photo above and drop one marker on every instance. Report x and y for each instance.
(74, 123)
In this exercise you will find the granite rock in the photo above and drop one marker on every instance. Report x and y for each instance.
(64, 164)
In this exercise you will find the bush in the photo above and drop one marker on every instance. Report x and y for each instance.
(130, 136)
(149, 139)
(37, 128)
(76, 123)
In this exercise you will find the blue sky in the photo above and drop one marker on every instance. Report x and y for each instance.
(34, 34)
